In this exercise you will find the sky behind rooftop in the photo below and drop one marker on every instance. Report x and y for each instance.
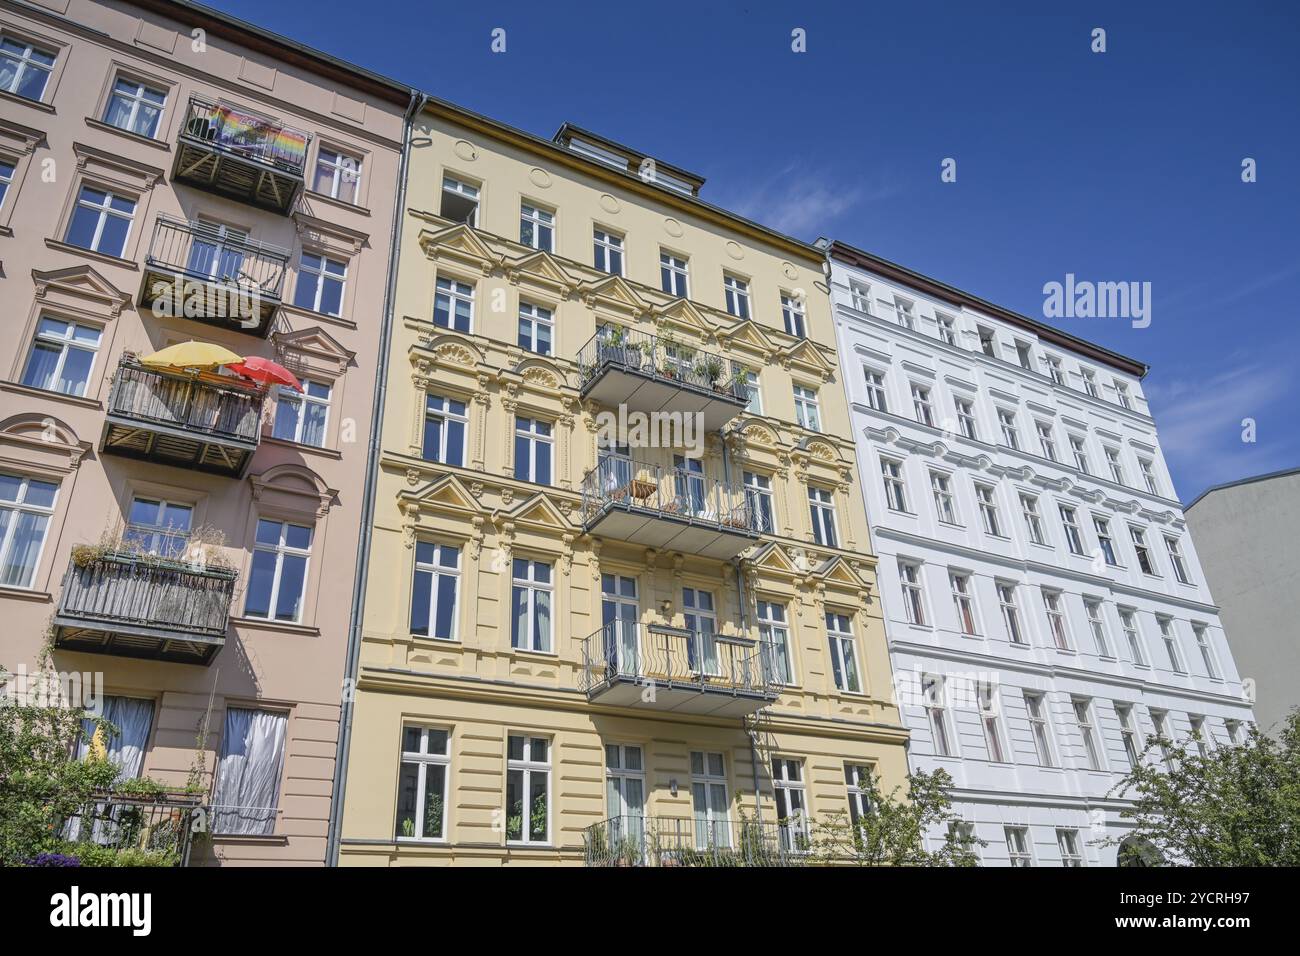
(1115, 166)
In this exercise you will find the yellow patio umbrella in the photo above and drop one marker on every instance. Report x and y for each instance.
(192, 355)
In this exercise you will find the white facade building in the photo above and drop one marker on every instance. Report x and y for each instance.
(1044, 604)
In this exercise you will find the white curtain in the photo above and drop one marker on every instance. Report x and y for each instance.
(132, 717)
(247, 793)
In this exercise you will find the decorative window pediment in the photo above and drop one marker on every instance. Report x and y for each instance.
(327, 236)
(312, 350)
(293, 488)
(808, 358)
(614, 294)
(48, 445)
(459, 243)
(80, 290)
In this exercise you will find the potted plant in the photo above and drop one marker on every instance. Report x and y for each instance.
(713, 369)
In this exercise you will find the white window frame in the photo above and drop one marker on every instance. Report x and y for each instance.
(25, 63)
(1033, 520)
(966, 419)
(136, 98)
(1130, 735)
(793, 316)
(299, 401)
(735, 294)
(876, 395)
(1040, 727)
(821, 513)
(536, 317)
(860, 296)
(1148, 469)
(791, 790)
(1057, 626)
(674, 274)
(1202, 634)
(343, 167)
(1169, 637)
(1176, 559)
(1129, 624)
(281, 549)
(533, 589)
(528, 768)
(608, 244)
(1006, 591)
(1082, 709)
(717, 824)
(1115, 463)
(320, 276)
(891, 474)
(1046, 439)
(905, 311)
(535, 439)
(1070, 522)
(1020, 848)
(1092, 609)
(947, 327)
(1067, 841)
(464, 190)
(436, 572)
(986, 499)
(912, 581)
(1054, 370)
(1142, 550)
(1105, 540)
(20, 506)
(945, 502)
(1079, 449)
(1007, 425)
(774, 628)
(65, 344)
(922, 407)
(844, 652)
(539, 219)
(933, 693)
(453, 290)
(1122, 393)
(103, 211)
(963, 599)
(807, 410)
(423, 760)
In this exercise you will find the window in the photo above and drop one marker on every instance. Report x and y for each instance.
(699, 611)
(1069, 520)
(135, 107)
(338, 175)
(26, 507)
(1176, 560)
(608, 252)
(1083, 717)
(857, 779)
(62, 357)
(1046, 440)
(963, 601)
(673, 275)
(1010, 613)
(530, 599)
(860, 295)
(1080, 452)
(1018, 846)
(1160, 724)
(278, 579)
(434, 590)
(1128, 734)
(986, 497)
(947, 329)
(536, 227)
(941, 488)
(535, 328)
(1140, 548)
(1056, 619)
(753, 393)
(101, 221)
(758, 498)
(792, 315)
(1132, 636)
(1202, 634)
(1116, 466)
(966, 419)
(445, 424)
(1149, 475)
(6, 179)
(876, 390)
(24, 68)
(528, 789)
(987, 345)
(932, 690)
(1170, 638)
(302, 416)
(1067, 841)
(159, 528)
(892, 473)
(844, 662)
(736, 293)
(688, 485)
(775, 636)
(533, 450)
(1090, 382)
(821, 510)
(1104, 540)
(791, 804)
(709, 800)
(921, 406)
(906, 313)
(1036, 709)
(1092, 608)
(1054, 370)
(625, 792)
(913, 599)
(125, 750)
(246, 794)
(453, 305)
(320, 284)
(1033, 522)
(988, 707)
(1024, 355)
(806, 412)
(1007, 422)
(1121, 393)
(459, 201)
(422, 784)
(1200, 734)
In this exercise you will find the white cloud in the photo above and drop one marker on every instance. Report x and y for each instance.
(803, 202)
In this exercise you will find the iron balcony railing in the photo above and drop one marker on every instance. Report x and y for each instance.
(226, 410)
(214, 254)
(676, 493)
(661, 358)
(699, 841)
(677, 657)
(155, 830)
(125, 589)
(237, 132)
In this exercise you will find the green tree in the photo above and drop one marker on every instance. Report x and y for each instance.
(892, 832)
(1236, 806)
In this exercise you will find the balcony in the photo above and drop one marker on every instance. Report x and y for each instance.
(241, 155)
(133, 605)
(691, 672)
(154, 829)
(648, 373)
(213, 274)
(636, 840)
(205, 422)
(667, 508)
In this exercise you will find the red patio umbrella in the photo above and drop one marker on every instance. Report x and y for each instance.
(265, 371)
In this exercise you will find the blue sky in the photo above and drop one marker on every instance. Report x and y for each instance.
(1119, 166)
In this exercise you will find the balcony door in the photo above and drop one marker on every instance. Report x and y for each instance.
(702, 622)
(620, 613)
(614, 467)
(688, 483)
(625, 791)
(216, 252)
(709, 801)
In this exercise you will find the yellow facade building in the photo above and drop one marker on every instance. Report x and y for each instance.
(576, 643)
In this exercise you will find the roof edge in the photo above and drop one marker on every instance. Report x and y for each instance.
(1223, 486)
